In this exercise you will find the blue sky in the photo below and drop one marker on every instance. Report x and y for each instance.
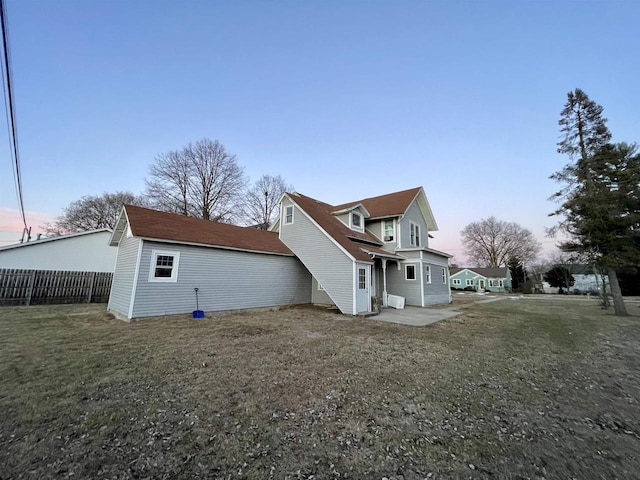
(345, 99)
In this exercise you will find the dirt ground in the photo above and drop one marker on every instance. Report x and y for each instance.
(533, 387)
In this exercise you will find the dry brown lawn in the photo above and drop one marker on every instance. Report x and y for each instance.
(528, 388)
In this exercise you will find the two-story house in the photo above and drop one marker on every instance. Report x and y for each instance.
(367, 249)
(351, 256)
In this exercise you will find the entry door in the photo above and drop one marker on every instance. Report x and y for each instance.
(481, 284)
(363, 287)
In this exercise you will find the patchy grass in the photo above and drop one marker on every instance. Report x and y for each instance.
(525, 388)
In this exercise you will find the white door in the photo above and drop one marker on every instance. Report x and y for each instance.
(363, 287)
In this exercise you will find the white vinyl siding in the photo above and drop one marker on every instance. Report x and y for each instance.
(324, 259)
(226, 280)
(124, 276)
(87, 252)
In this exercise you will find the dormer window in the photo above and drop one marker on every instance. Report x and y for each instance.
(356, 221)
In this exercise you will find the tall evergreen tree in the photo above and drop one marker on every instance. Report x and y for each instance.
(600, 199)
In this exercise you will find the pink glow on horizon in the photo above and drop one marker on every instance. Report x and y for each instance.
(10, 220)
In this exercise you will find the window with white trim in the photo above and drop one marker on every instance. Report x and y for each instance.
(415, 234)
(444, 276)
(362, 278)
(494, 282)
(288, 215)
(356, 221)
(409, 272)
(469, 282)
(389, 231)
(427, 273)
(164, 266)
(456, 281)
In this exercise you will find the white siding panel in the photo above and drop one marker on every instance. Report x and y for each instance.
(123, 277)
(83, 253)
(226, 280)
(326, 261)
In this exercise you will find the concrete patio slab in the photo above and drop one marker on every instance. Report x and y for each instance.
(415, 316)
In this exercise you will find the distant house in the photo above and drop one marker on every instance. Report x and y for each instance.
(84, 252)
(353, 256)
(587, 279)
(496, 279)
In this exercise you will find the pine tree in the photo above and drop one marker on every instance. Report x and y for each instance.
(600, 199)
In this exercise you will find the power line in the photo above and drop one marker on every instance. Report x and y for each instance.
(11, 116)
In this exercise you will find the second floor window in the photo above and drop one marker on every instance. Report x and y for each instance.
(288, 215)
(389, 231)
(356, 221)
(415, 234)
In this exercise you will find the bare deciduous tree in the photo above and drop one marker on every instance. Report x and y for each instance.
(168, 188)
(92, 213)
(492, 243)
(202, 180)
(263, 198)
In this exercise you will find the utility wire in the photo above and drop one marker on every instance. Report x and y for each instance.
(10, 112)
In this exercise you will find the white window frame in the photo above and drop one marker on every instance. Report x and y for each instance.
(494, 282)
(427, 273)
(362, 278)
(456, 281)
(360, 227)
(414, 230)
(406, 272)
(174, 268)
(286, 214)
(469, 282)
(392, 237)
(444, 276)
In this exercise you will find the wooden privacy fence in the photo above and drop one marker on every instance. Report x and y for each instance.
(34, 287)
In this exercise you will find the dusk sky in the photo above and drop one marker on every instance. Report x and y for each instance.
(345, 99)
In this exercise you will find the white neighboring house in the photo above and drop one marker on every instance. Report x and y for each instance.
(78, 252)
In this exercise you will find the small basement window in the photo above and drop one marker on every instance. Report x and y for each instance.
(164, 266)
